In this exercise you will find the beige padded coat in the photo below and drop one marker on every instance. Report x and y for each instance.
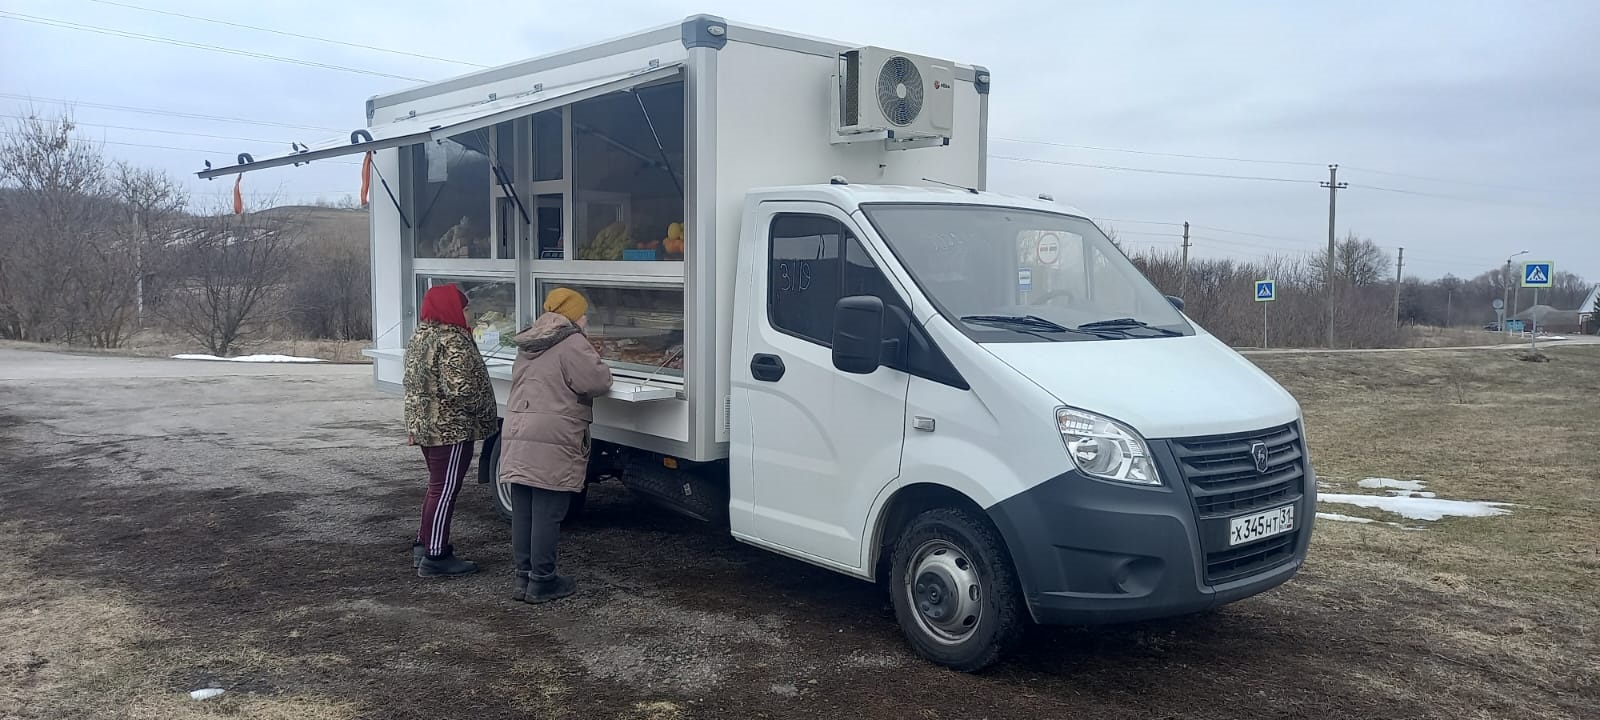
(545, 440)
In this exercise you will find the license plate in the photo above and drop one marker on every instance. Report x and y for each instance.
(1250, 528)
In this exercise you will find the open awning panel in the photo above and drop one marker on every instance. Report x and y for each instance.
(444, 124)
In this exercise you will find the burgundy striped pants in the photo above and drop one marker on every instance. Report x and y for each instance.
(447, 466)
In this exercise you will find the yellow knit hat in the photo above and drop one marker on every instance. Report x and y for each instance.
(566, 302)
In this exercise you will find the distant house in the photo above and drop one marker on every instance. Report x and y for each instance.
(1575, 320)
(1545, 317)
(1589, 309)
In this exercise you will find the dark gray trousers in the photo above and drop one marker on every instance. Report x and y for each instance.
(536, 516)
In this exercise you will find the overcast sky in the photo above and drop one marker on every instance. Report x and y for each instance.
(1496, 105)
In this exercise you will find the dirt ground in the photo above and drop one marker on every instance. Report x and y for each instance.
(171, 526)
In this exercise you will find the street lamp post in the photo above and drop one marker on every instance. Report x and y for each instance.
(1505, 322)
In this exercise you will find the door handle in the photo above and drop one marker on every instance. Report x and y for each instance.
(766, 368)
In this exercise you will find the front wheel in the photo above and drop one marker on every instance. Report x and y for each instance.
(955, 594)
(502, 491)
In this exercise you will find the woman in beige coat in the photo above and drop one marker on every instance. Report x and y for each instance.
(544, 445)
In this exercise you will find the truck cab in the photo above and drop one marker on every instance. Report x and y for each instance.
(981, 402)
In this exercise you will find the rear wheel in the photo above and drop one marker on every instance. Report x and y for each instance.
(502, 491)
(955, 594)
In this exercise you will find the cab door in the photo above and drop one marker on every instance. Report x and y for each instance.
(822, 442)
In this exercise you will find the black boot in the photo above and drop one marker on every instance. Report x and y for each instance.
(445, 565)
(543, 591)
(520, 587)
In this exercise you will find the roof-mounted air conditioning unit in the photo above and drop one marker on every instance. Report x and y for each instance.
(905, 99)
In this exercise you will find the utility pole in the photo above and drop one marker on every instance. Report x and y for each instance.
(1399, 269)
(1183, 285)
(1511, 309)
(1334, 186)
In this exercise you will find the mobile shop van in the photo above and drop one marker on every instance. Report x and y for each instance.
(829, 338)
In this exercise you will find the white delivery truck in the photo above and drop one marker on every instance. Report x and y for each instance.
(830, 338)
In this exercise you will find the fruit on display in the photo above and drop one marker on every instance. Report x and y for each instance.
(674, 241)
(608, 244)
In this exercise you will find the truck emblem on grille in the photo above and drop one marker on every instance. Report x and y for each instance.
(1258, 453)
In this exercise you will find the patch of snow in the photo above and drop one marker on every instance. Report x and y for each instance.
(1336, 517)
(1375, 483)
(1419, 508)
(206, 694)
(250, 358)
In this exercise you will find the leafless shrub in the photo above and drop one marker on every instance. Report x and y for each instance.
(228, 276)
(332, 291)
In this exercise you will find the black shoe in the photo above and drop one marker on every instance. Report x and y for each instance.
(418, 552)
(521, 587)
(445, 565)
(543, 591)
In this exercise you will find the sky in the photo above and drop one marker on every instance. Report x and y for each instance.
(1467, 130)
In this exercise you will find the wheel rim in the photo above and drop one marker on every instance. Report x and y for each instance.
(944, 592)
(502, 492)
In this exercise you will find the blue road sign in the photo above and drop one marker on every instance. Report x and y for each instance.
(1514, 326)
(1266, 291)
(1538, 274)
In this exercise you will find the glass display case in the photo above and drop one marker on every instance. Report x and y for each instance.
(636, 328)
(491, 310)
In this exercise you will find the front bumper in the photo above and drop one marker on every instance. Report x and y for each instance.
(1093, 552)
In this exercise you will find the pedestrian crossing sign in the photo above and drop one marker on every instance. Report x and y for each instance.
(1538, 275)
(1266, 291)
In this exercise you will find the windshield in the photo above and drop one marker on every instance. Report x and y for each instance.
(1013, 275)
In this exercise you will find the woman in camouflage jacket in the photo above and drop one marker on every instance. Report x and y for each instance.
(450, 405)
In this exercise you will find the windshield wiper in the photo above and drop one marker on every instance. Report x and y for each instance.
(1036, 326)
(1125, 324)
(1032, 322)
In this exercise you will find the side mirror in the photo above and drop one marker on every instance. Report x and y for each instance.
(858, 334)
(1176, 301)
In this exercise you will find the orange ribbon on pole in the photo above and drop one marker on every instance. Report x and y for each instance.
(238, 197)
(366, 177)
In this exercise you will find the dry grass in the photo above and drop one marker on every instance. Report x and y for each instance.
(157, 344)
(1417, 336)
(75, 650)
(1512, 596)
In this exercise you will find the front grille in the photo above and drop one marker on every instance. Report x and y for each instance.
(1224, 482)
(1243, 561)
(1222, 476)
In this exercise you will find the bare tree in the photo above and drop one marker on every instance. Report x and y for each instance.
(62, 274)
(1357, 262)
(153, 202)
(228, 276)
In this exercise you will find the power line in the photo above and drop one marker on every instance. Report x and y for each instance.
(1464, 198)
(1296, 163)
(158, 130)
(1139, 222)
(290, 34)
(1152, 170)
(168, 113)
(1098, 148)
(53, 22)
(1492, 186)
(1147, 234)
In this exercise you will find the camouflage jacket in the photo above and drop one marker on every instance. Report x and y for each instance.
(448, 395)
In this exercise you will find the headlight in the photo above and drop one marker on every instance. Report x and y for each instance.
(1106, 449)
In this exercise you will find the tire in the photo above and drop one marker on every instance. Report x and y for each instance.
(939, 552)
(500, 493)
